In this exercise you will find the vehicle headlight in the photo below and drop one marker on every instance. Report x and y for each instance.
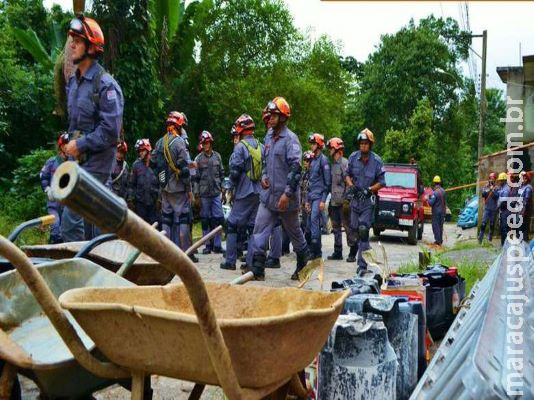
(406, 208)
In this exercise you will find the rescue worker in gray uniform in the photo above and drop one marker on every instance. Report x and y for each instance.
(319, 188)
(95, 106)
(307, 158)
(209, 177)
(339, 209)
(525, 192)
(280, 194)
(507, 190)
(119, 172)
(245, 174)
(53, 207)
(143, 187)
(490, 194)
(171, 164)
(365, 177)
(438, 202)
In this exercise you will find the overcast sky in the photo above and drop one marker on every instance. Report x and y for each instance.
(358, 25)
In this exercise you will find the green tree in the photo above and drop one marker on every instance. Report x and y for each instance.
(419, 61)
(495, 138)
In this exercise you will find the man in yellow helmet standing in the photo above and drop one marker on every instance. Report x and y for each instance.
(438, 202)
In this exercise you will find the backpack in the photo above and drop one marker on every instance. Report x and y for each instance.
(254, 174)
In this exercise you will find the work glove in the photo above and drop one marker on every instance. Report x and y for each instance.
(350, 193)
(48, 192)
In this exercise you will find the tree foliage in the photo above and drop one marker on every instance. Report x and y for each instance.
(217, 59)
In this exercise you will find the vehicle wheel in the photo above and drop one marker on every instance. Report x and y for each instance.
(377, 232)
(421, 230)
(412, 233)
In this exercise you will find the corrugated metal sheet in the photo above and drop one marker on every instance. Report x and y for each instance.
(478, 355)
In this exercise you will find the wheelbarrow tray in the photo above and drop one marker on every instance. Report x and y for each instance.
(270, 333)
(28, 339)
(110, 255)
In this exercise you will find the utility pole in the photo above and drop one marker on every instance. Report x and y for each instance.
(483, 104)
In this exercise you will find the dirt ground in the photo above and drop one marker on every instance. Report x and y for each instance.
(398, 253)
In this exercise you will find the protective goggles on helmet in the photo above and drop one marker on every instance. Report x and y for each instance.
(79, 26)
(362, 136)
(272, 107)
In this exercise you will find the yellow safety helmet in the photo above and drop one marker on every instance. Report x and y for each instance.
(502, 176)
(436, 179)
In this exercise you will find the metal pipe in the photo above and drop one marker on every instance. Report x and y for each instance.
(76, 189)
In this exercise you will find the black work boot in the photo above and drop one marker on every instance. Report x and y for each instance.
(272, 263)
(207, 250)
(302, 259)
(352, 253)
(226, 265)
(219, 250)
(258, 267)
(337, 254)
(315, 250)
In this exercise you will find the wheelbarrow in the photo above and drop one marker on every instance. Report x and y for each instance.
(251, 341)
(30, 344)
(28, 341)
(110, 255)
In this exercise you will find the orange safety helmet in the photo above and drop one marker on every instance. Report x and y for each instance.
(244, 125)
(62, 139)
(335, 143)
(143, 144)
(122, 146)
(88, 29)
(205, 137)
(176, 118)
(316, 138)
(525, 176)
(279, 105)
(366, 134)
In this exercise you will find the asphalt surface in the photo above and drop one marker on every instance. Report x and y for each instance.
(398, 253)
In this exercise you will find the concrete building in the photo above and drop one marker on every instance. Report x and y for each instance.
(520, 86)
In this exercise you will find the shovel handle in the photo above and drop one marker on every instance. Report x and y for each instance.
(82, 193)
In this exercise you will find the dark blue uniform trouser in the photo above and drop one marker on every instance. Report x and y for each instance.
(438, 220)
(314, 225)
(241, 218)
(340, 217)
(360, 216)
(176, 218)
(266, 220)
(211, 215)
(56, 210)
(277, 237)
(146, 211)
(490, 217)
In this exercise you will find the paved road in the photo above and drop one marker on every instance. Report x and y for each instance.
(398, 253)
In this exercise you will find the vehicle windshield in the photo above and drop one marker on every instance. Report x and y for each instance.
(405, 180)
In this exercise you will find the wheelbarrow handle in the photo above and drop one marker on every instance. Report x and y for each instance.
(97, 241)
(44, 221)
(78, 190)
